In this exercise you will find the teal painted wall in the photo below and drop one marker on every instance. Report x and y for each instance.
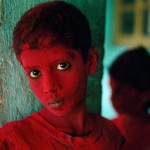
(112, 51)
(16, 98)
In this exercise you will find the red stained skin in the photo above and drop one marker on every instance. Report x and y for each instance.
(61, 90)
(54, 85)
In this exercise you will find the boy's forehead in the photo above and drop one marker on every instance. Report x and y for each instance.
(57, 51)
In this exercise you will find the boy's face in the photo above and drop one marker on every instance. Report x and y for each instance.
(57, 76)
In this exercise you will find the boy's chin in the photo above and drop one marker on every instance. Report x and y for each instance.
(59, 112)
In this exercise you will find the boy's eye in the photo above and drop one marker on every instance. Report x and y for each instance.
(35, 74)
(63, 66)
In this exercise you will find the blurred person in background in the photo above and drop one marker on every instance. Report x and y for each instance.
(130, 84)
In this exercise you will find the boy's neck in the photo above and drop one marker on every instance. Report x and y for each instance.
(78, 123)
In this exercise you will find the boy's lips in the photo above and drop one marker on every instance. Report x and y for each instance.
(56, 103)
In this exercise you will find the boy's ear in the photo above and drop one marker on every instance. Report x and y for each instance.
(92, 60)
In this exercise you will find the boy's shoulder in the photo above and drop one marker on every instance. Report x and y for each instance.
(17, 125)
(104, 123)
(109, 131)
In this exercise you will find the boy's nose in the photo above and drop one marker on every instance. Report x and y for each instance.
(50, 85)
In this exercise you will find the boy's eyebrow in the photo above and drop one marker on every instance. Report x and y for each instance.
(70, 56)
(30, 67)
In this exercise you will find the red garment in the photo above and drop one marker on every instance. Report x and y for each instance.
(136, 132)
(35, 133)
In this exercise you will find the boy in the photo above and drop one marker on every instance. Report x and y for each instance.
(52, 41)
(130, 83)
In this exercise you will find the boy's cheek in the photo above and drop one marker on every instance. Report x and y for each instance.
(35, 86)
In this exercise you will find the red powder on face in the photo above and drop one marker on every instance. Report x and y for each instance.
(57, 76)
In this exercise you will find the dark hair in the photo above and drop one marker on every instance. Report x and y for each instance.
(133, 68)
(56, 22)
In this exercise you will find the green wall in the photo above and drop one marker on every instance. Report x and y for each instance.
(112, 51)
(16, 98)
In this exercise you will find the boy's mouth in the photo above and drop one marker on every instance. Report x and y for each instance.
(56, 103)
